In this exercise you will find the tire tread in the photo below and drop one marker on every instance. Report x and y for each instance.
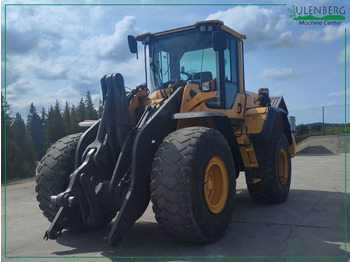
(51, 174)
(170, 183)
(265, 191)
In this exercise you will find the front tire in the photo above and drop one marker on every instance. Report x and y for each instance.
(52, 178)
(193, 185)
(52, 174)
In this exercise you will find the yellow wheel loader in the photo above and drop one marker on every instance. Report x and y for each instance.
(180, 141)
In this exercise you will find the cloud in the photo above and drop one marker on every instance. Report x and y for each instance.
(67, 94)
(59, 53)
(20, 89)
(341, 56)
(285, 40)
(32, 66)
(332, 33)
(308, 37)
(339, 94)
(277, 74)
(327, 35)
(96, 14)
(330, 103)
(112, 47)
(259, 24)
(277, 93)
(55, 69)
(266, 27)
(41, 29)
(28, 41)
(67, 45)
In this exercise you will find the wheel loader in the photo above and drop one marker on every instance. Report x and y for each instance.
(180, 142)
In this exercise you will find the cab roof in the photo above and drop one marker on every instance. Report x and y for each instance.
(206, 24)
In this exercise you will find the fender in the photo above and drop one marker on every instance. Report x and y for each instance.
(276, 118)
(220, 122)
(258, 127)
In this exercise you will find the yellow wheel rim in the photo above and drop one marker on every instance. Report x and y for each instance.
(283, 166)
(216, 185)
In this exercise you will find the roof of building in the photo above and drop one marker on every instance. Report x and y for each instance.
(278, 101)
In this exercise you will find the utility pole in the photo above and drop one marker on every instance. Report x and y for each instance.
(322, 120)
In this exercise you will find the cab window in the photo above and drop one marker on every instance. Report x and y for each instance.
(231, 72)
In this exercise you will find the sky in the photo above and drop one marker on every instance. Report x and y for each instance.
(60, 52)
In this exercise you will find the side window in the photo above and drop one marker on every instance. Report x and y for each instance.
(165, 66)
(231, 71)
(196, 62)
(227, 61)
(202, 66)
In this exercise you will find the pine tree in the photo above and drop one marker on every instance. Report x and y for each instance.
(21, 153)
(19, 130)
(81, 110)
(100, 109)
(74, 119)
(13, 152)
(54, 128)
(13, 158)
(77, 116)
(58, 123)
(90, 111)
(29, 157)
(5, 109)
(48, 127)
(66, 118)
(3, 118)
(36, 130)
(5, 125)
(43, 116)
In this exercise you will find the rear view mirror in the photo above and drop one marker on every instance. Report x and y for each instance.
(219, 41)
(132, 45)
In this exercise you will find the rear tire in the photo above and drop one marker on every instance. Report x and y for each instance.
(193, 185)
(274, 170)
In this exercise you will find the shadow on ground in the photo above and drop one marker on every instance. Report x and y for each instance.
(309, 223)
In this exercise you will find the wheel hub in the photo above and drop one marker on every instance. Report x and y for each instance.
(283, 166)
(216, 185)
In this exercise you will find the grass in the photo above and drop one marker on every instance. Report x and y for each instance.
(327, 131)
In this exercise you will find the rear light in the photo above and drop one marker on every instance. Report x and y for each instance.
(212, 85)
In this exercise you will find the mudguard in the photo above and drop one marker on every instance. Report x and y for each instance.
(276, 118)
(224, 125)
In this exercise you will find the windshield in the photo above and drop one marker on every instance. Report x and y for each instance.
(186, 55)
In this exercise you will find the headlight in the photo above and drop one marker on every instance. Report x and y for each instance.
(205, 86)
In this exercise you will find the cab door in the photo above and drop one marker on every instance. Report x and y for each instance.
(234, 93)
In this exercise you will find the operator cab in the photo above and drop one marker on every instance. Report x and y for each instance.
(207, 54)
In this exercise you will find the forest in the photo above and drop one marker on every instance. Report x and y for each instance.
(27, 140)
